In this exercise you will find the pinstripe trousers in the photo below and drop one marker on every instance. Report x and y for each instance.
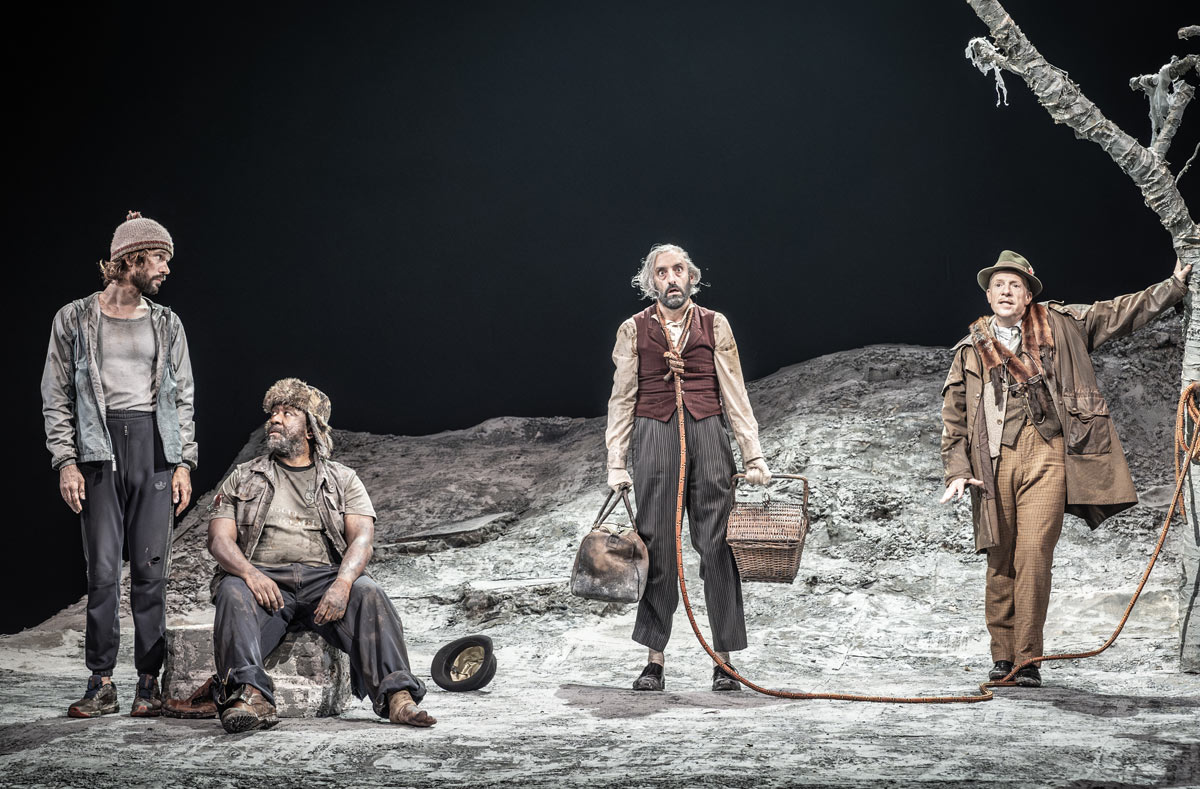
(708, 496)
(1031, 491)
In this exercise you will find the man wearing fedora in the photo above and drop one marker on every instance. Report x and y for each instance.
(117, 403)
(1027, 430)
(292, 532)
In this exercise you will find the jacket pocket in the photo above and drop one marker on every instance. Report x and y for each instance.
(248, 500)
(1087, 431)
(336, 510)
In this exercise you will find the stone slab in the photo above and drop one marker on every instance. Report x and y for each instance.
(312, 678)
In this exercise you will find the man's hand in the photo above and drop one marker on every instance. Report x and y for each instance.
(333, 603)
(181, 488)
(265, 591)
(619, 478)
(956, 488)
(1181, 271)
(757, 472)
(70, 485)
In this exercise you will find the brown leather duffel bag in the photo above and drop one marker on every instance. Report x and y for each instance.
(612, 563)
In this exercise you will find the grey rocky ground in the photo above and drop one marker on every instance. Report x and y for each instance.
(889, 601)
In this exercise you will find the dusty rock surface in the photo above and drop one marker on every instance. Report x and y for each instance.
(477, 529)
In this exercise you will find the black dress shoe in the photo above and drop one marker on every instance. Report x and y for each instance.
(651, 678)
(1029, 677)
(1000, 670)
(722, 681)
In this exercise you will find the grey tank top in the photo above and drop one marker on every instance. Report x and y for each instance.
(126, 356)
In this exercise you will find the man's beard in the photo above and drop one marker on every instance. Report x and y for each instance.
(143, 280)
(286, 445)
(673, 299)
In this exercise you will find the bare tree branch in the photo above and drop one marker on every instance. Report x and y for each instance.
(1176, 69)
(1180, 97)
(1188, 164)
(1011, 51)
(1168, 96)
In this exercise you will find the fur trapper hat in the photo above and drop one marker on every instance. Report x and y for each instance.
(309, 399)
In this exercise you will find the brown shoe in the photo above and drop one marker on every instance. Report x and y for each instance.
(100, 698)
(198, 705)
(248, 710)
(148, 701)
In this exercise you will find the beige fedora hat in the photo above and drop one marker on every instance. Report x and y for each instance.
(1010, 261)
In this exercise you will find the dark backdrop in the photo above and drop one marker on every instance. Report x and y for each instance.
(432, 211)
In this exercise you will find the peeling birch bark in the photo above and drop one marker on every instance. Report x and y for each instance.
(1009, 50)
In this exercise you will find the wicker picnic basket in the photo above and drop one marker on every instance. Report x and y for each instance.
(767, 537)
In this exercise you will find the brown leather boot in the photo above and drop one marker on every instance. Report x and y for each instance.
(198, 705)
(247, 711)
(148, 701)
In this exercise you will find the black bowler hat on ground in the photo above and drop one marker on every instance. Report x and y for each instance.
(465, 664)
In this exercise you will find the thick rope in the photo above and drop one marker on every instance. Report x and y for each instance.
(1187, 404)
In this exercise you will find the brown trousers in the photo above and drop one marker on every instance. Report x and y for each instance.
(1031, 490)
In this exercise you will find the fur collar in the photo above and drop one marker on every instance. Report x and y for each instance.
(1037, 343)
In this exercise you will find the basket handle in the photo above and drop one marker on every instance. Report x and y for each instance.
(737, 477)
(610, 504)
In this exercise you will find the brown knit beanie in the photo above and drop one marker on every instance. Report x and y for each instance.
(309, 399)
(138, 232)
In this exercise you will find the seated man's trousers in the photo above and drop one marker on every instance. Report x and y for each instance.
(370, 632)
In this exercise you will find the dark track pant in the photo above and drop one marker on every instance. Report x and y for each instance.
(129, 506)
(370, 632)
(708, 496)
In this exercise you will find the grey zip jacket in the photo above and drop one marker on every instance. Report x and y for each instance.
(73, 397)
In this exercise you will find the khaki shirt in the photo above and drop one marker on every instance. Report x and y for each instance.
(734, 399)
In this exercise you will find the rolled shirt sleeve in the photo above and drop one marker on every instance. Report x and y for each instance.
(357, 500)
(222, 504)
(733, 390)
(623, 399)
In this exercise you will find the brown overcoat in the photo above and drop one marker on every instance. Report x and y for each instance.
(1098, 481)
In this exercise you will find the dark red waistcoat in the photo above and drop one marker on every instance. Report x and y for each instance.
(701, 392)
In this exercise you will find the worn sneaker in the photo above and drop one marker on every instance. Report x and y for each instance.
(1000, 670)
(1029, 677)
(247, 711)
(651, 678)
(148, 702)
(724, 682)
(100, 698)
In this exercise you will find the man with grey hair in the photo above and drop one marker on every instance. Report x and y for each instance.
(117, 404)
(676, 338)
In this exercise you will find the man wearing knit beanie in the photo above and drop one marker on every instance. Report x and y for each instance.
(117, 404)
(292, 533)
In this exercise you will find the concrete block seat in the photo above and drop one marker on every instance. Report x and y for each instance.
(312, 678)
